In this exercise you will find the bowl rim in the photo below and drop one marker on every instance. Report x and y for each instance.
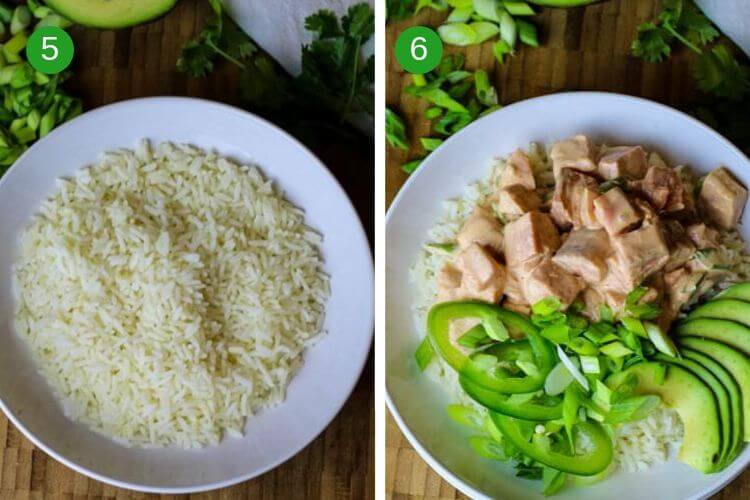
(434, 462)
(358, 229)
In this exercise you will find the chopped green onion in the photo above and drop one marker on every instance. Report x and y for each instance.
(430, 143)
(508, 31)
(553, 480)
(583, 347)
(602, 395)
(432, 113)
(661, 340)
(445, 248)
(558, 334)
(527, 33)
(615, 350)
(488, 9)
(600, 333)
(438, 97)
(466, 416)
(500, 49)
(631, 409)
(590, 364)
(411, 166)
(558, 379)
(474, 337)
(574, 371)
(605, 313)
(21, 19)
(484, 30)
(395, 130)
(486, 93)
(460, 15)
(634, 325)
(424, 353)
(460, 34)
(547, 306)
(419, 80)
(487, 448)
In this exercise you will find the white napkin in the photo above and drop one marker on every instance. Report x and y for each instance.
(278, 26)
(732, 17)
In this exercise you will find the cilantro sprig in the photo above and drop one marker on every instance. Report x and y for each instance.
(334, 85)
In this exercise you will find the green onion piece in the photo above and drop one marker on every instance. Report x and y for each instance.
(424, 354)
(602, 395)
(460, 15)
(444, 248)
(38, 10)
(6, 73)
(615, 350)
(395, 130)
(583, 347)
(457, 76)
(558, 379)
(55, 20)
(572, 368)
(590, 364)
(468, 417)
(519, 8)
(25, 134)
(432, 4)
(16, 44)
(546, 306)
(508, 31)
(484, 30)
(47, 123)
(6, 13)
(432, 113)
(500, 49)
(419, 80)
(631, 409)
(460, 34)
(488, 9)
(600, 333)
(438, 97)
(630, 339)
(461, 4)
(571, 404)
(485, 91)
(606, 314)
(661, 340)
(489, 110)
(22, 76)
(430, 143)
(553, 480)
(33, 119)
(558, 334)
(474, 337)
(527, 33)
(528, 367)
(487, 448)
(20, 20)
(634, 325)
(636, 295)
(411, 166)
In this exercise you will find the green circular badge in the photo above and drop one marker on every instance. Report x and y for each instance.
(419, 50)
(49, 50)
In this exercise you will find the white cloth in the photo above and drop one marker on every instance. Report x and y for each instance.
(732, 17)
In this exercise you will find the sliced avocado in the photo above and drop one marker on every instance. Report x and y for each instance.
(729, 309)
(734, 361)
(740, 291)
(735, 396)
(728, 332)
(728, 438)
(693, 401)
(111, 14)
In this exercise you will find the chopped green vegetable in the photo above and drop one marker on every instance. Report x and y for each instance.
(424, 353)
(508, 30)
(547, 306)
(395, 130)
(474, 338)
(718, 72)
(460, 34)
(558, 334)
(582, 346)
(590, 364)
(615, 350)
(558, 379)
(487, 448)
(630, 409)
(634, 325)
(466, 416)
(572, 368)
(411, 166)
(553, 480)
(430, 143)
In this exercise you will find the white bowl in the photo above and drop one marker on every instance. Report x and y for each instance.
(331, 367)
(418, 404)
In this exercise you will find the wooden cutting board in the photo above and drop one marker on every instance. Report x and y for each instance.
(581, 49)
(111, 66)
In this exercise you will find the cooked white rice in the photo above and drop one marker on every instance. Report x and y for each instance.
(639, 444)
(168, 293)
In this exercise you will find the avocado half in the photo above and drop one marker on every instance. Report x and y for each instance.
(111, 14)
(694, 402)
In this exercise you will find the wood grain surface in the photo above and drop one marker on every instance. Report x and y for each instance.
(581, 49)
(111, 66)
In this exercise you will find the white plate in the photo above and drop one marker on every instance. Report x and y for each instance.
(331, 367)
(419, 404)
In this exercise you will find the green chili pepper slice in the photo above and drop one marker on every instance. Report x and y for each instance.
(500, 403)
(595, 459)
(494, 319)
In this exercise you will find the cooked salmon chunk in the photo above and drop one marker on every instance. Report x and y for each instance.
(475, 274)
(530, 236)
(640, 253)
(703, 236)
(623, 161)
(577, 153)
(681, 247)
(573, 200)
(517, 200)
(518, 171)
(664, 189)
(615, 212)
(722, 198)
(481, 227)
(548, 279)
(584, 254)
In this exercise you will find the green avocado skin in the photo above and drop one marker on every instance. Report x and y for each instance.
(735, 397)
(111, 14)
(735, 362)
(694, 402)
(729, 428)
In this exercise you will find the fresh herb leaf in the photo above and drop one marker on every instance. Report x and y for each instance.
(719, 73)
(651, 43)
